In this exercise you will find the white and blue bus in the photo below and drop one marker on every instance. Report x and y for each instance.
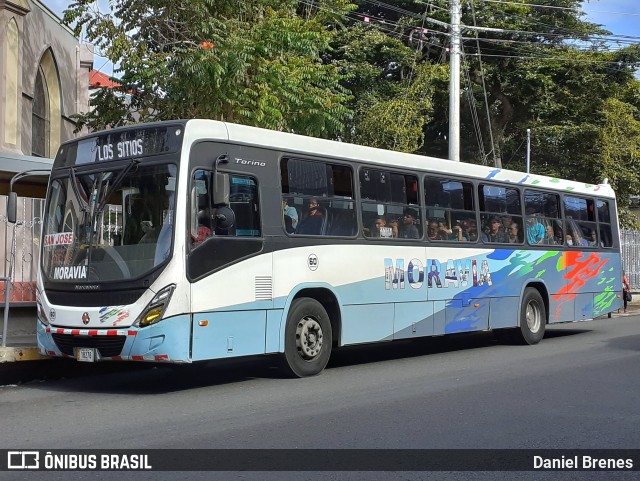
(195, 240)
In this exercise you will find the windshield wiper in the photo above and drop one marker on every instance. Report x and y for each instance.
(116, 183)
(84, 205)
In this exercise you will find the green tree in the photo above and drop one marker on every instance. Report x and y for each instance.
(392, 91)
(256, 63)
(618, 143)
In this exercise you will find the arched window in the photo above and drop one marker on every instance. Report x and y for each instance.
(40, 127)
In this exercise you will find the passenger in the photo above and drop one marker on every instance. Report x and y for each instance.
(149, 235)
(507, 220)
(569, 239)
(290, 216)
(408, 229)
(494, 232)
(432, 231)
(559, 237)
(459, 233)
(549, 236)
(313, 222)
(394, 227)
(444, 230)
(380, 228)
(470, 228)
(593, 239)
(314, 207)
(514, 234)
(203, 233)
(535, 230)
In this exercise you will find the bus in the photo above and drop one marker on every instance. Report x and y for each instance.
(187, 241)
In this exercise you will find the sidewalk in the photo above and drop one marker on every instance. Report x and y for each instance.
(20, 348)
(633, 308)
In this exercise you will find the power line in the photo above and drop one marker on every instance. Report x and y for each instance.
(484, 90)
(387, 26)
(578, 10)
(611, 62)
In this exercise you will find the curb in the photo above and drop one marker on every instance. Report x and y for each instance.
(15, 354)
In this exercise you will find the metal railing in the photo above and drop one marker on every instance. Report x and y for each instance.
(24, 262)
(630, 244)
(20, 243)
(5, 325)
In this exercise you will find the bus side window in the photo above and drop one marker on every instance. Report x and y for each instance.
(243, 201)
(200, 215)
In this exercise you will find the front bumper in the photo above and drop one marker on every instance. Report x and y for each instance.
(166, 341)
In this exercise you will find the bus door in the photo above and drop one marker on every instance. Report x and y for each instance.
(231, 281)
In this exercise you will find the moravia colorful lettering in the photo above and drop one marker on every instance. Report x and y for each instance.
(457, 273)
(72, 272)
(580, 285)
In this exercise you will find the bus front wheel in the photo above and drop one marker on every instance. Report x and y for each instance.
(308, 337)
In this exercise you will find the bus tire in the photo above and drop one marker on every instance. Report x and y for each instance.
(307, 338)
(533, 318)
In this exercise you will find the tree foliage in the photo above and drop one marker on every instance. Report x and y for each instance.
(376, 73)
(255, 62)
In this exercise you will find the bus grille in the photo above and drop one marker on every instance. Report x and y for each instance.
(108, 346)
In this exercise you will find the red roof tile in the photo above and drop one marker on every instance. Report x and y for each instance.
(98, 79)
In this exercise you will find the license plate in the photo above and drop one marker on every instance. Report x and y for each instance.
(86, 354)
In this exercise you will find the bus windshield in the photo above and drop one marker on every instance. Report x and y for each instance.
(110, 225)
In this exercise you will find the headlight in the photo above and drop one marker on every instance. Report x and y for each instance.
(42, 313)
(155, 309)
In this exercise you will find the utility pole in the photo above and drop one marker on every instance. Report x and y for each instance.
(528, 149)
(454, 83)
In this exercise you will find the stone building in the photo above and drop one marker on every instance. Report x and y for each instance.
(44, 81)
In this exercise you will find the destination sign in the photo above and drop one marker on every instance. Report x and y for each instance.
(60, 239)
(126, 148)
(121, 144)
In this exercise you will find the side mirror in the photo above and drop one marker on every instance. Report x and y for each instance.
(225, 218)
(12, 207)
(221, 189)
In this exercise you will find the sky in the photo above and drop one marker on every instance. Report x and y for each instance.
(620, 17)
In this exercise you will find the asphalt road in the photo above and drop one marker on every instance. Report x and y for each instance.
(578, 389)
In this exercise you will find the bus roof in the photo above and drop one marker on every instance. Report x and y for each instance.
(302, 145)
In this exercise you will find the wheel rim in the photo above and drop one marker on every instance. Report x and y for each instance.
(534, 317)
(308, 338)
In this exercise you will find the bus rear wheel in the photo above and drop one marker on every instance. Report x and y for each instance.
(533, 319)
(307, 338)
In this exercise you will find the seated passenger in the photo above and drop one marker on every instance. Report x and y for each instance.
(535, 230)
(394, 227)
(432, 231)
(458, 233)
(444, 230)
(314, 207)
(569, 239)
(549, 236)
(493, 231)
(408, 230)
(380, 228)
(313, 221)
(470, 229)
(290, 217)
(514, 234)
(149, 235)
